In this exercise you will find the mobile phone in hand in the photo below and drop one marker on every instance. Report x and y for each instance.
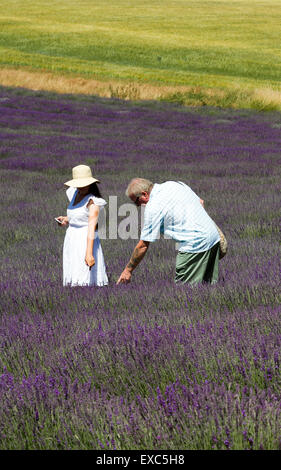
(58, 221)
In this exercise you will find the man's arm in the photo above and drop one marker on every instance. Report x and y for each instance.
(138, 254)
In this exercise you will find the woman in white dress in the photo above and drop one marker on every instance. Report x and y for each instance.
(83, 261)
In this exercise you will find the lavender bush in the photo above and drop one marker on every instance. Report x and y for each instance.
(148, 365)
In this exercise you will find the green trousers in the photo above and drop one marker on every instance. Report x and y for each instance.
(198, 267)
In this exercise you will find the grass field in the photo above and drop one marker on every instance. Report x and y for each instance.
(224, 53)
(149, 365)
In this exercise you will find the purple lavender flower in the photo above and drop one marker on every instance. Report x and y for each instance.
(151, 364)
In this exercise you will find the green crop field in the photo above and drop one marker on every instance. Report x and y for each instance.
(196, 52)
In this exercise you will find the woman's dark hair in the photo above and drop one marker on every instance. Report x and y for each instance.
(94, 190)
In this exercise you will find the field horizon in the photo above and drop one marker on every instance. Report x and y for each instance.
(207, 52)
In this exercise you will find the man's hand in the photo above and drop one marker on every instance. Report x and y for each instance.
(125, 277)
(138, 254)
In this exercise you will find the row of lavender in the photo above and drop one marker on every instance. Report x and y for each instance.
(150, 365)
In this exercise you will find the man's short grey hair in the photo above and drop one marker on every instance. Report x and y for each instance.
(137, 186)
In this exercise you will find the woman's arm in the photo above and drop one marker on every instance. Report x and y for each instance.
(93, 220)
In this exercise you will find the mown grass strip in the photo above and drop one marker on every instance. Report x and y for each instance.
(262, 99)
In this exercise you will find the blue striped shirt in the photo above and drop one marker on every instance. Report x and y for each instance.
(175, 210)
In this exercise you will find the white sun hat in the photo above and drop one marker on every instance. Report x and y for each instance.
(82, 176)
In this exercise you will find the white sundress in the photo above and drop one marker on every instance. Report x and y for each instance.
(75, 270)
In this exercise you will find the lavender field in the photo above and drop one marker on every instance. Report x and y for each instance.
(149, 365)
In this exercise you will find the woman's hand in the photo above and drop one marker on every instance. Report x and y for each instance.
(63, 219)
(90, 261)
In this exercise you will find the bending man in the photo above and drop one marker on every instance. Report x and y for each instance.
(173, 209)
